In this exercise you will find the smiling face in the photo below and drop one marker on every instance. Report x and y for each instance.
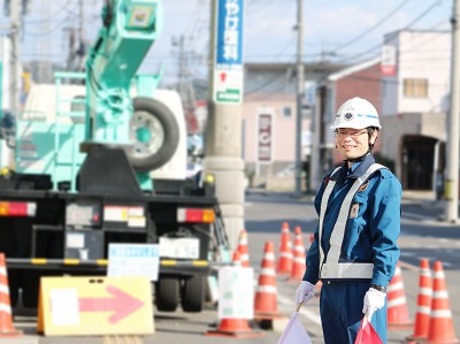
(353, 143)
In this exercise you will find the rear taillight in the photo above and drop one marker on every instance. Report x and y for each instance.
(195, 215)
(17, 209)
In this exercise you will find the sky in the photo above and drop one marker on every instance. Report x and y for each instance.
(345, 31)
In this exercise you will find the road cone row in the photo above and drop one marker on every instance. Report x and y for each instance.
(433, 322)
(6, 319)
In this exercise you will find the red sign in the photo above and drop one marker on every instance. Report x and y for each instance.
(388, 60)
(264, 137)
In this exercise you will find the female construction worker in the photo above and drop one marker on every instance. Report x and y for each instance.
(355, 251)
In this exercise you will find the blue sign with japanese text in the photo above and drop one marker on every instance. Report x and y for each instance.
(229, 37)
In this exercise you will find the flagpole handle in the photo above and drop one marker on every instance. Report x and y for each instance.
(298, 307)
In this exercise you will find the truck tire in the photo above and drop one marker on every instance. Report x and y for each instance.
(154, 132)
(192, 297)
(167, 294)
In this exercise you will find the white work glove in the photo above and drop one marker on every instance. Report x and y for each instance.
(304, 292)
(373, 301)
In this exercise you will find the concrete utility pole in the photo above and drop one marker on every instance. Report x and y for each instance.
(300, 90)
(224, 132)
(15, 69)
(451, 183)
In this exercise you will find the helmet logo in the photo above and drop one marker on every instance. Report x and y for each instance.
(348, 116)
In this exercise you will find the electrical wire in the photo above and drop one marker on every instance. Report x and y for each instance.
(392, 35)
(63, 8)
(366, 32)
(64, 21)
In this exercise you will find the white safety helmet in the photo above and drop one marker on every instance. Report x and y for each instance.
(356, 113)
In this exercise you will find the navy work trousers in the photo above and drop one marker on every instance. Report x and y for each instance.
(341, 305)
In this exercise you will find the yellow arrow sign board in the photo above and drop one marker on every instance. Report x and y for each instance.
(95, 306)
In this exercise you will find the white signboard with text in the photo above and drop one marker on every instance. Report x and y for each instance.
(134, 260)
(236, 293)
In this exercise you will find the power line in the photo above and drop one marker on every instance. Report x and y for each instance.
(392, 35)
(366, 32)
(64, 21)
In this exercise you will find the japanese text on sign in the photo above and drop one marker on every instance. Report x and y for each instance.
(264, 137)
(229, 33)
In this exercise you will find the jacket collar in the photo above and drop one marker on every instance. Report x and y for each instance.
(357, 169)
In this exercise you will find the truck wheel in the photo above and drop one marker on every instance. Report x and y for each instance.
(167, 294)
(193, 294)
(154, 132)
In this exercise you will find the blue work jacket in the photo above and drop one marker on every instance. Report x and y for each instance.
(373, 223)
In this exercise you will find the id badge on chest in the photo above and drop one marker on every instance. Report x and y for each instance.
(354, 210)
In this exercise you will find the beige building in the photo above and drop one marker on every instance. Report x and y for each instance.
(414, 102)
(269, 121)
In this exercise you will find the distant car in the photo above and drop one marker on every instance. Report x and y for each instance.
(288, 171)
(193, 169)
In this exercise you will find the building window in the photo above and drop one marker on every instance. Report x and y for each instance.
(415, 88)
(287, 111)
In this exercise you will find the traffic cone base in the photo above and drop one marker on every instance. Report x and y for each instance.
(237, 328)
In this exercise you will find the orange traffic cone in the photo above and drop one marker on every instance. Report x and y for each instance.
(284, 266)
(6, 320)
(397, 315)
(265, 301)
(425, 291)
(298, 263)
(243, 248)
(236, 259)
(441, 328)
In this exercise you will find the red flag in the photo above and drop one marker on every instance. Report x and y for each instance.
(367, 334)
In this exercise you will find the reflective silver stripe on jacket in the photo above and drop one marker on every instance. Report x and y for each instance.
(332, 268)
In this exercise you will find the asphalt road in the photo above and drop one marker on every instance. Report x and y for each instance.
(422, 236)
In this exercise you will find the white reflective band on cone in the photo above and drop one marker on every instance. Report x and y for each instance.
(395, 286)
(440, 294)
(5, 308)
(426, 291)
(268, 272)
(445, 313)
(424, 310)
(397, 302)
(4, 289)
(267, 289)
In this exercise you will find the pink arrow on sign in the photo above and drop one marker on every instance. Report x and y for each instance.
(122, 304)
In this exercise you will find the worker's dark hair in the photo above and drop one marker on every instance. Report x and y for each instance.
(370, 131)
